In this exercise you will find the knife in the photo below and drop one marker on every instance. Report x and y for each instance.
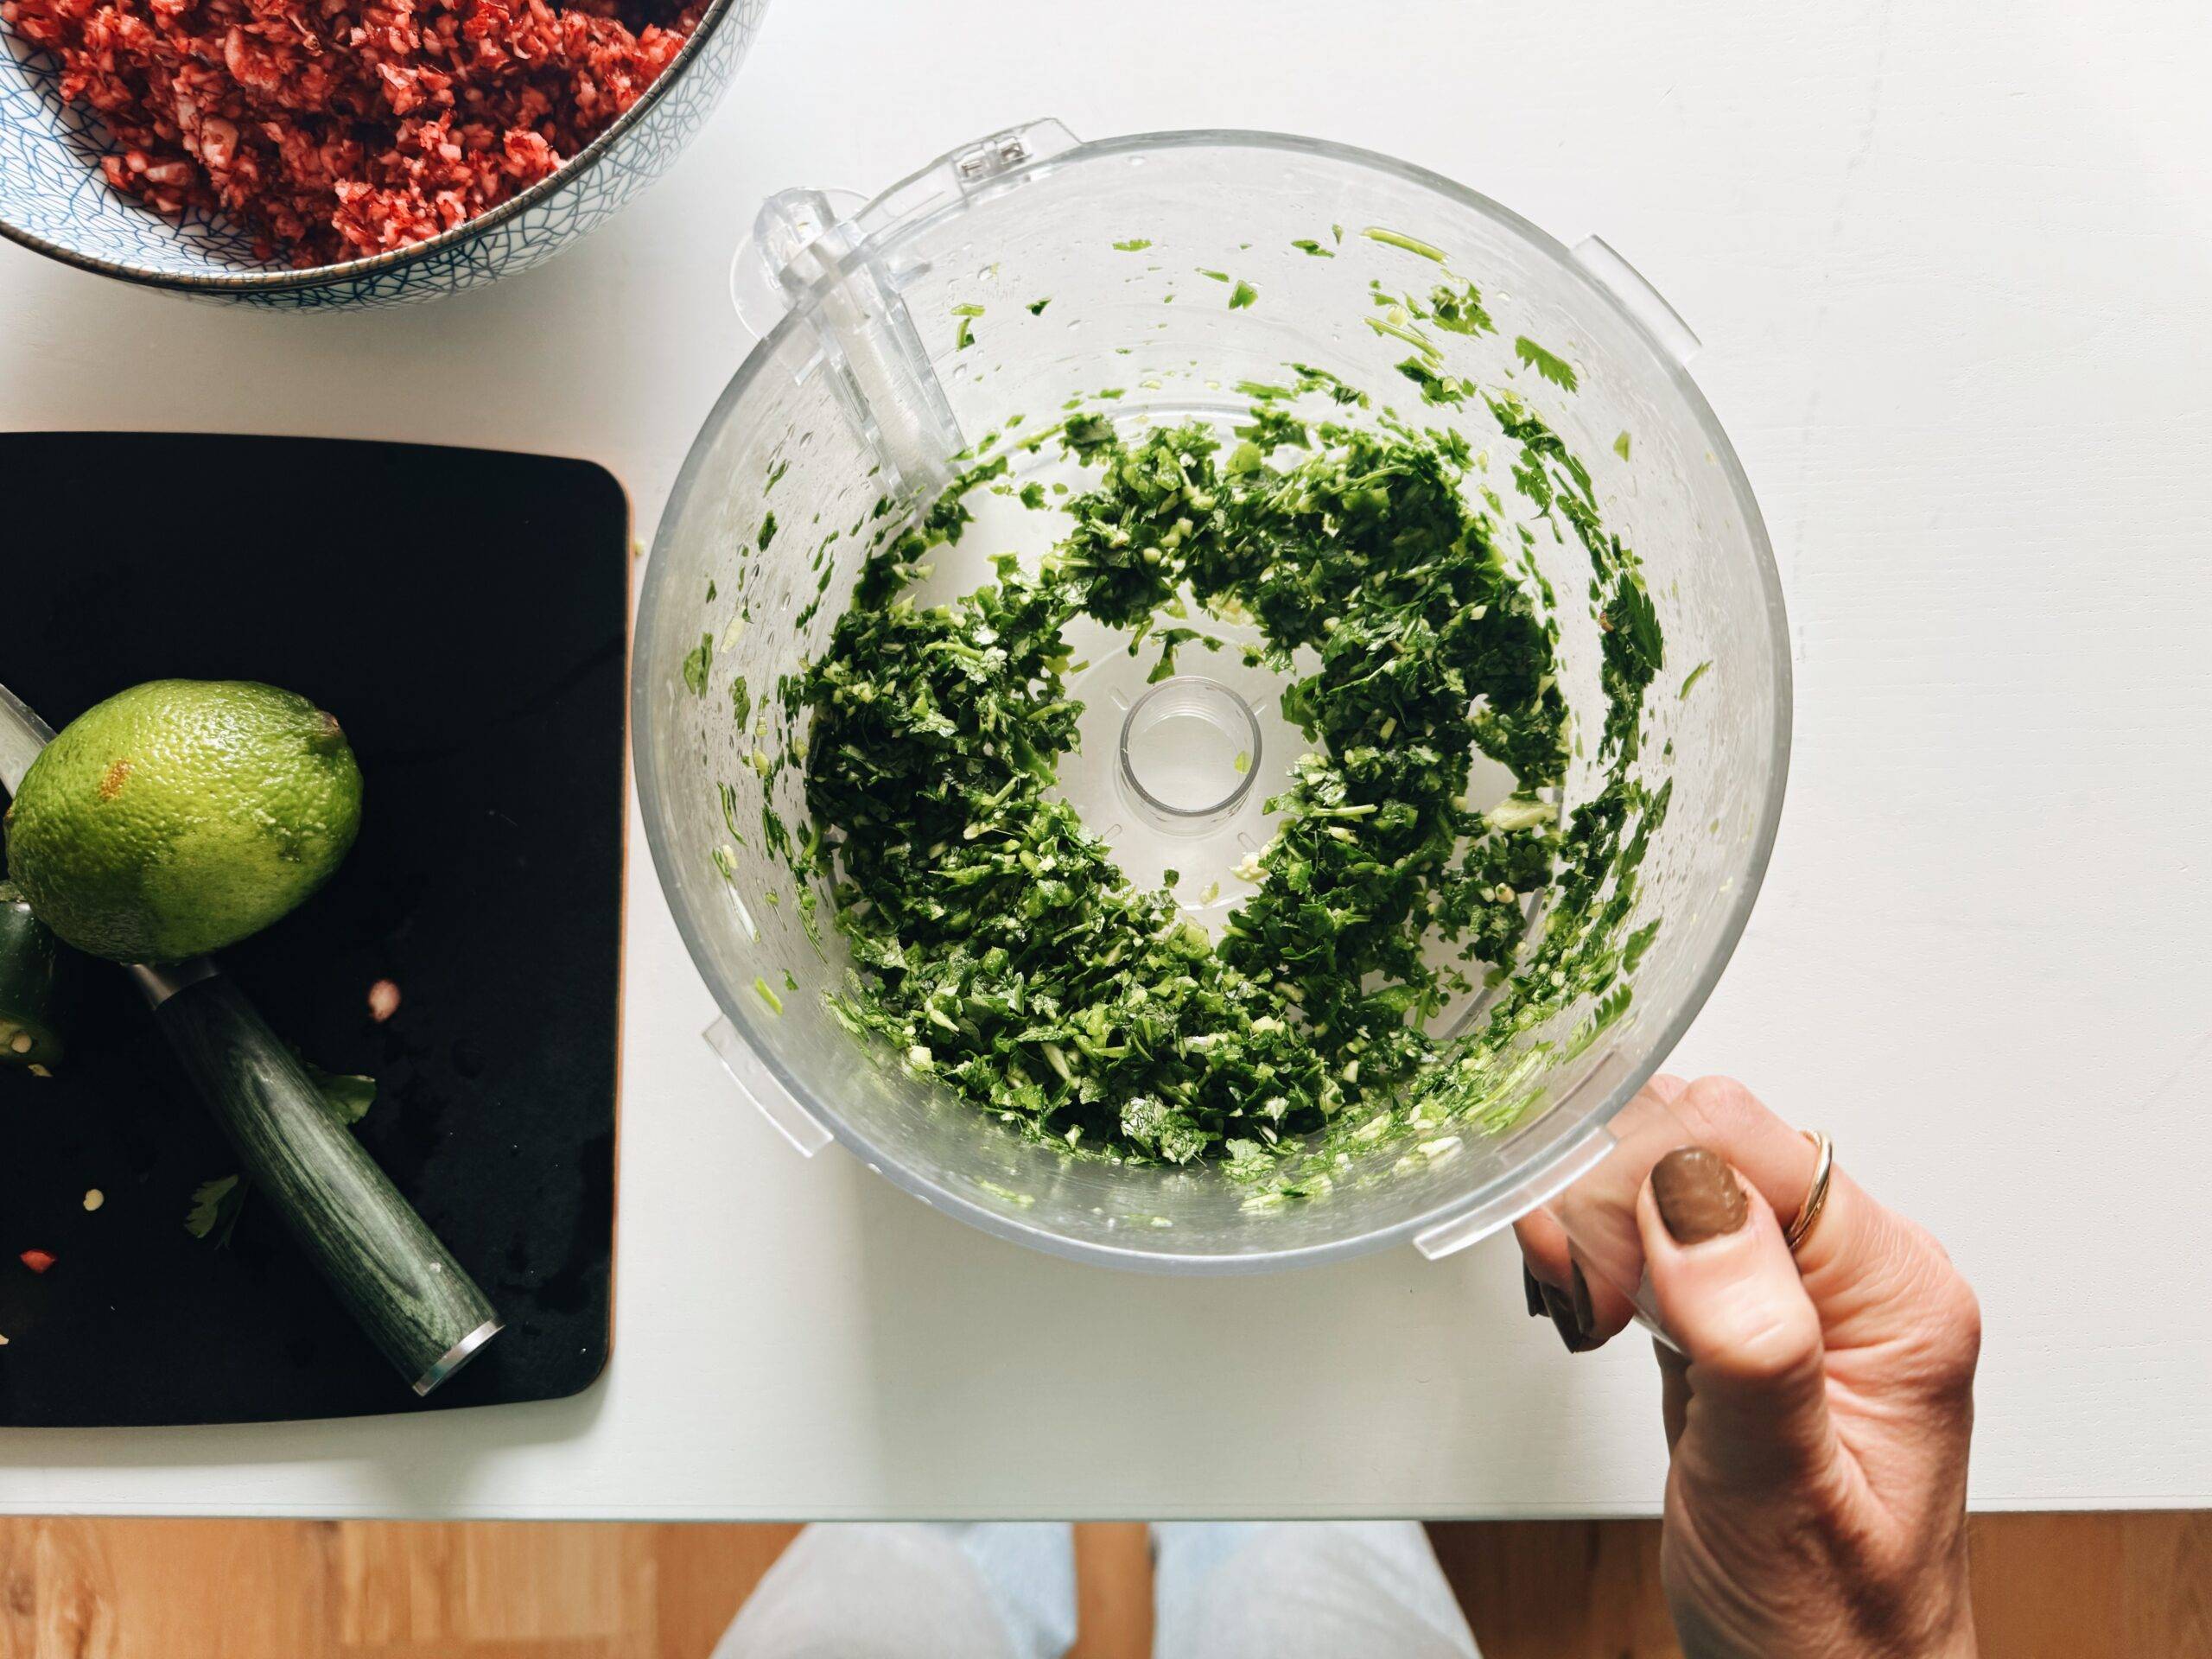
(400, 1283)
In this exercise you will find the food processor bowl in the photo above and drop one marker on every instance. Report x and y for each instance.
(1150, 277)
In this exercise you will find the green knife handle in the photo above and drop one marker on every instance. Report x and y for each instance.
(400, 1283)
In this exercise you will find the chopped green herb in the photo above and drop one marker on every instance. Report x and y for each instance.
(1308, 245)
(697, 662)
(1435, 388)
(990, 925)
(1135, 245)
(1553, 369)
(1243, 295)
(1397, 239)
(347, 1097)
(1459, 311)
(1036, 307)
(768, 531)
(766, 993)
(1412, 336)
(1620, 446)
(1693, 677)
(216, 1206)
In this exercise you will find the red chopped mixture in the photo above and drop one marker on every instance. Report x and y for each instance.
(337, 129)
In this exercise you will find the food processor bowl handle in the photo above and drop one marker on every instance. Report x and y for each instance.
(1590, 1191)
(1645, 303)
(816, 254)
(806, 1132)
(876, 360)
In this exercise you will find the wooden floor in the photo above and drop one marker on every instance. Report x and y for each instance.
(2081, 1586)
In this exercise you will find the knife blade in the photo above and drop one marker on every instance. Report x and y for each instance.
(22, 734)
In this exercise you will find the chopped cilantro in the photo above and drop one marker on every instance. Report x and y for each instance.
(996, 945)
(216, 1205)
(1134, 244)
(990, 927)
(1398, 239)
(1242, 296)
(1459, 311)
(1036, 307)
(347, 1097)
(1556, 370)
(768, 531)
(697, 662)
(1620, 446)
(1306, 244)
(1435, 388)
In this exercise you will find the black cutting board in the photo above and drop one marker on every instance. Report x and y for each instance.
(466, 616)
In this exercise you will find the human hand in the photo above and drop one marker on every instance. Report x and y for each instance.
(1819, 1414)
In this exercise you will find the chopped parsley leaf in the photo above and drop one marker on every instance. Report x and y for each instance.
(990, 927)
(1556, 370)
(697, 662)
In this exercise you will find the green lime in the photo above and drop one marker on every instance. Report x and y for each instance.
(180, 816)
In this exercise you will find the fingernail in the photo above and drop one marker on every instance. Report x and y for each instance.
(1697, 1195)
(1534, 1291)
(1563, 1320)
(1584, 1315)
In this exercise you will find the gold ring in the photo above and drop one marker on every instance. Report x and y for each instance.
(1817, 1199)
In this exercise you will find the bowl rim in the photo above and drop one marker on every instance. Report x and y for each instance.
(1555, 1163)
(264, 282)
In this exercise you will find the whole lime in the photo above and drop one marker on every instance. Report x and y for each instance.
(180, 816)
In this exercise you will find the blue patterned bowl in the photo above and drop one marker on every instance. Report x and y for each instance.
(53, 198)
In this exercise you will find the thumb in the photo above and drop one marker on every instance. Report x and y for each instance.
(1727, 1290)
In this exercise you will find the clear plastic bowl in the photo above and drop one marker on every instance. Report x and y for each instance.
(861, 385)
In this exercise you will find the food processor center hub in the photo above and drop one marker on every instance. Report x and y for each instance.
(1189, 750)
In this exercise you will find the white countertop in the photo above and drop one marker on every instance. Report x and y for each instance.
(1951, 266)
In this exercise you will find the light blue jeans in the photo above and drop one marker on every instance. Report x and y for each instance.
(1317, 1590)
